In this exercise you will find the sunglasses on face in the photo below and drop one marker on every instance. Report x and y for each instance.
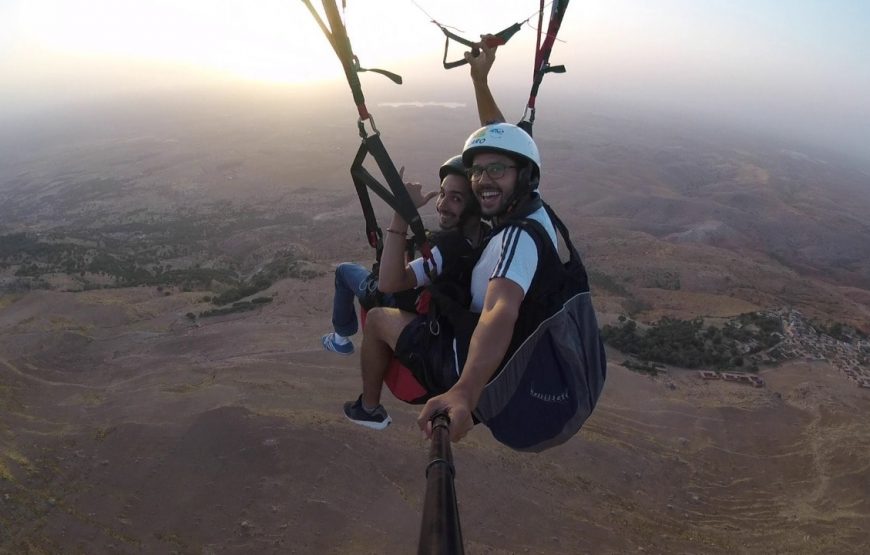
(494, 170)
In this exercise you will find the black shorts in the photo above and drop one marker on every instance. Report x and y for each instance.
(434, 352)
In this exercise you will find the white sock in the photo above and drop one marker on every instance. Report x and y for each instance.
(340, 339)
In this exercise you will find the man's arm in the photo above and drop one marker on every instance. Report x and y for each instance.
(487, 109)
(394, 274)
(489, 343)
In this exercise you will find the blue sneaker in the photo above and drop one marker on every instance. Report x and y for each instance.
(378, 419)
(329, 344)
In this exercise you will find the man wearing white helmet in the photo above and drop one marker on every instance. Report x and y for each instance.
(503, 164)
(504, 167)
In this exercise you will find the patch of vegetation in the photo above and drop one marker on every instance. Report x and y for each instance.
(23, 284)
(187, 387)
(236, 293)
(643, 367)
(17, 458)
(5, 473)
(767, 323)
(242, 306)
(688, 344)
(600, 280)
(634, 306)
(285, 264)
(137, 252)
(16, 245)
(839, 331)
(102, 433)
(662, 279)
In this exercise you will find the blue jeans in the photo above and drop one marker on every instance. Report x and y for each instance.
(350, 283)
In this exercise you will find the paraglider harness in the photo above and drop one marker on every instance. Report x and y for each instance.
(552, 374)
(395, 194)
(543, 48)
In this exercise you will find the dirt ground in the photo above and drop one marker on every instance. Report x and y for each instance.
(126, 428)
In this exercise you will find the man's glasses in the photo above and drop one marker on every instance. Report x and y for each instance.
(494, 170)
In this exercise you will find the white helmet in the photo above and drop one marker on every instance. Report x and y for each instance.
(502, 137)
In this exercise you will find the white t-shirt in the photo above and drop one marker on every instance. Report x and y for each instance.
(510, 254)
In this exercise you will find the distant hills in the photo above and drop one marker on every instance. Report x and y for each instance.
(658, 207)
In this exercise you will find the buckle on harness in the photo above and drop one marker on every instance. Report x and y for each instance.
(360, 124)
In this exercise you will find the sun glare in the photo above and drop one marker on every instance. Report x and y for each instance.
(267, 40)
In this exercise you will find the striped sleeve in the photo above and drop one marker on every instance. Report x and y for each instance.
(518, 258)
(419, 269)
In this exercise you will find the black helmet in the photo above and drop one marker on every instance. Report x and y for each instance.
(453, 165)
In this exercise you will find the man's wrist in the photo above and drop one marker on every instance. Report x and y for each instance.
(467, 392)
(398, 223)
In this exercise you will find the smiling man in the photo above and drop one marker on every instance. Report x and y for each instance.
(504, 167)
(462, 232)
(457, 212)
(456, 206)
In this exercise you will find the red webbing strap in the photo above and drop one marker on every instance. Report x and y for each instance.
(542, 53)
(538, 37)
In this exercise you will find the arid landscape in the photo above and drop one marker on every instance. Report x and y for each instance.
(134, 420)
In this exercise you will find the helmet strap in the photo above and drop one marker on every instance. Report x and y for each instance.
(523, 188)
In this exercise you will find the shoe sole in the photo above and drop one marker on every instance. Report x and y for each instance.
(372, 425)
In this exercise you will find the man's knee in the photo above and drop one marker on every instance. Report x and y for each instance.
(340, 271)
(377, 320)
(385, 324)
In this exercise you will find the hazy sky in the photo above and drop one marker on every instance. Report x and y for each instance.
(800, 67)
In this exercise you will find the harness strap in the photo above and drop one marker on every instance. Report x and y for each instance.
(542, 57)
(363, 181)
(400, 201)
(563, 231)
(396, 196)
(336, 34)
(498, 39)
